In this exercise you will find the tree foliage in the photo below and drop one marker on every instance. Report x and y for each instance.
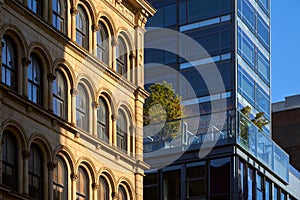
(163, 107)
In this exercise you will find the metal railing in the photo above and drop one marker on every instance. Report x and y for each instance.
(259, 144)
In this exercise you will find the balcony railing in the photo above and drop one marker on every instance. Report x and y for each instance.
(259, 144)
(191, 132)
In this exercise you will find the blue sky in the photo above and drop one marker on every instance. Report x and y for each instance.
(285, 52)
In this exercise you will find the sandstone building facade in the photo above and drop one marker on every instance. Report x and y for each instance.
(71, 99)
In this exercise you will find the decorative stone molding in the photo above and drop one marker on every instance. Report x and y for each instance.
(117, 157)
(77, 135)
(114, 195)
(26, 62)
(95, 105)
(74, 92)
(26, 154)
(132, 55)
(28, 109)
(74, 11)
(98, 146)
(51, 166)
(95, 186)
(95, 28)
(114, 41)
(51, 77)
(74, 177)
(114, 117)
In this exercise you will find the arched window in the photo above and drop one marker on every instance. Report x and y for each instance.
(82, 186)
(58, 14)
(122, 129)
(9, 160)
(102, 120)
(35, 172)
(82, 109)
(8, 63)
(60, 95)
(121, 55)
(102, 43)
(103, 191)
(34, 80)
(122, 193)
(82, 28)
(60, 180)
(35, 6)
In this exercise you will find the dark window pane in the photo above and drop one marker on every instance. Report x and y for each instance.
(220, 178)
(171, 185)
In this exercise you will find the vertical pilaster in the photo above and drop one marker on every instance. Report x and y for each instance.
(114, 43)
(114, 118)
(95, 107)
(74, 93)
(74, 12)
(95, 187)
(51, 167)
(95, 28)
(26, 155)
(140, 95)
(74, 178)
(132, 59)
(51, 78)
(26, 62)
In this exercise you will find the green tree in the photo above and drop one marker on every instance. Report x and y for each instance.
(163, 108)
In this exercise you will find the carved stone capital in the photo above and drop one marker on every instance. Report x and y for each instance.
(74, 177)
(26, 154)
(2, 44)
(114, 117)
(95, 186)
(51, 166)
(26, 62)
(95, 105)
(51, 77)
(74, 92)
(114, 195)
(95, 27)
(74, 11)
(114, 42)
(132, 55)
(132, 128)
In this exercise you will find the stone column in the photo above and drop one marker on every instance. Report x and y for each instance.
(51, 77)
(132, 67)
(1, 49)
(50, 166)
(115, 195)
(132, 139)
(26, 155)
(113, 139)
(114, 43)
(74, 93)
(95, 107)
(74, 178)
(95, 187)
(74, 12)
(95, 28)
(140, 96)
(26, 62)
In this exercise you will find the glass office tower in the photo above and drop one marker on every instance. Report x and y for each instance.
(241, 160)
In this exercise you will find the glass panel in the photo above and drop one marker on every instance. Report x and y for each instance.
(247, 13)
(171, 185)
(242, 180)
(250, 183)
(196, 183)
(263, 67)
(220, 178)
(265, 4)
(263, 32)
(82, 109)
(246, 48)
(103, 191)
(122, 193)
